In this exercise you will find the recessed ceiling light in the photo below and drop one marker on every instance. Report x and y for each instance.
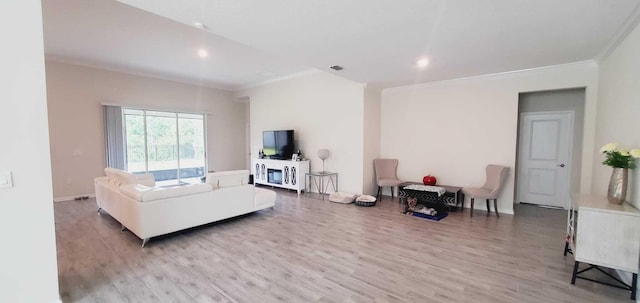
(422, 63)
(200, 25)
(203, 53)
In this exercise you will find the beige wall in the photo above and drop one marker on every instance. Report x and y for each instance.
(247, 132)
(325, 111)
(453, 129)
(28, 267)
(75, 95)
(619, 110)
(562, 100)
(372, 115)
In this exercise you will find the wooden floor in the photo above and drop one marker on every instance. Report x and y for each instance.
(308, 250)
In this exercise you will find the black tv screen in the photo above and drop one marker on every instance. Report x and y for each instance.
(278, 144)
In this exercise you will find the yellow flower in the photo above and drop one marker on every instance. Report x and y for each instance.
(624, 153)
(635, 153)
(609, 147)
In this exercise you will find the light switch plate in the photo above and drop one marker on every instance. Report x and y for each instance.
(5, 179)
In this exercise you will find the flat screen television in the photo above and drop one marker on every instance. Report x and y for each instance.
(278, 144)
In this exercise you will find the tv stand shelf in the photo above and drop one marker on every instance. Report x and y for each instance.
(280, 173)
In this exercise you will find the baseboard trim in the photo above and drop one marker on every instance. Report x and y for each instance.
(71, 198)
(501, 211)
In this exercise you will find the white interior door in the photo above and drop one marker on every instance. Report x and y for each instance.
(544, 158)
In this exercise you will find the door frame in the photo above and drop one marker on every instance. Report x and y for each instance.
(569, 162)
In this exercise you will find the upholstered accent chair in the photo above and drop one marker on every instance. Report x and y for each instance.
(496, 177)
(386, 174)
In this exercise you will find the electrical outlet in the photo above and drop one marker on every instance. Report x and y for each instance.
(5, 179)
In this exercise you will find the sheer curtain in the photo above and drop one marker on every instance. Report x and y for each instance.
(114, 136)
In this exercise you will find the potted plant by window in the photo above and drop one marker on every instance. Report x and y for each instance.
(621, 161)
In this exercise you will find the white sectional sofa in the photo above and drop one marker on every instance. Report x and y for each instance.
(148, 210)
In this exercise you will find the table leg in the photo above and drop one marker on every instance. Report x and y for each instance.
(333, 180)
(634, 286)
(314, 182)
(575, 272)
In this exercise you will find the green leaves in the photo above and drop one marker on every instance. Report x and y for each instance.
(619, 159)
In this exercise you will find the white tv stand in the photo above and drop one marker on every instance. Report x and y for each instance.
(280, 173)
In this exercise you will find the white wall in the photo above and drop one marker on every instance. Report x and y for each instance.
(247, 132)
(325, 111)
(562, 100)
(453, 129)
(28, 268)
(619, 110)
(75, 95)
(372, 115)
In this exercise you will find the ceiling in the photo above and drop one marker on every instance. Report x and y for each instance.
(377, 42)
(115, 36)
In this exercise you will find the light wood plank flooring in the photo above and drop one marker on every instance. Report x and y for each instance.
(308, 250)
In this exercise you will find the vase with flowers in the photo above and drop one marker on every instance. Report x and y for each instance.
(621, 161)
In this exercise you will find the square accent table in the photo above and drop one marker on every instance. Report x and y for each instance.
(451, 198)
(318, 178)
(606, 236)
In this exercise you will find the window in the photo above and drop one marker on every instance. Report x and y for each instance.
(169, 145)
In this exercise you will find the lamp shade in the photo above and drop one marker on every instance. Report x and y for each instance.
(323, 154)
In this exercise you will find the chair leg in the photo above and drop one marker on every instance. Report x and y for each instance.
(378, 195)
(488, 208)
(471, 209)
(495, 207)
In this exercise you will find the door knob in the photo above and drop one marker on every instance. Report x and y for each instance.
(561, 165)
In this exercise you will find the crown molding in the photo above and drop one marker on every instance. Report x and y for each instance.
(138, 73)
(502, 75)
(627, 27)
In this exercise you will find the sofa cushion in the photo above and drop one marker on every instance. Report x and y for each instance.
(144, 193)
(135, 191)
(119, 177)
(263, 196)
(228, 178)
(146, 179)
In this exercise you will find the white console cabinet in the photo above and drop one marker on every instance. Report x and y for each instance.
(607, 235)
(280, 173)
